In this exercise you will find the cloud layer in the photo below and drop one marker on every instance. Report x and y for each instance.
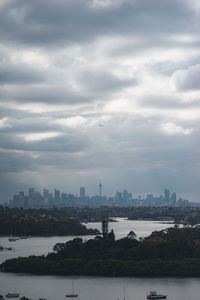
(68, 66)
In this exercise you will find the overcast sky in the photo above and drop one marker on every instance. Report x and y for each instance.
(68, 66)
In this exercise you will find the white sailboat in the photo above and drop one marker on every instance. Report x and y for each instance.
(12, 238)
(72, 294)
(124, 298)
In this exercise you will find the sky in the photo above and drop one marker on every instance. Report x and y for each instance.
(68, 66)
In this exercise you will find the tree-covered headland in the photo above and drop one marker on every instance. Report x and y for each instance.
(171, 252)
(21, 222)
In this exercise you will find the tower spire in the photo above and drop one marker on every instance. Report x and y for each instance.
(100, 186)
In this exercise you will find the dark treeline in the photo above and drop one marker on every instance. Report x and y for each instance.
(20, 222)
(67, 221)
(171, 252)
(187, 215)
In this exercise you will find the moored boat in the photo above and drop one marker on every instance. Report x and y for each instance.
(72, 294)
(12, 295)
(13, 239)
(153, 295)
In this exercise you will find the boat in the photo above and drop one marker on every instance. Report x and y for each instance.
(12, 295)
(124, 297)
(153, 295)
(13, 239)
(5, 248)
(8, 248)
(72, 294)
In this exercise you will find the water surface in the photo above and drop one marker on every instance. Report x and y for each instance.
(92, 288)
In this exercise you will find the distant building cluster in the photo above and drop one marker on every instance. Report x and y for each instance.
(35, 199)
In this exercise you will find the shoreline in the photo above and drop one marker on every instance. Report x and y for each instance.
(183, 268)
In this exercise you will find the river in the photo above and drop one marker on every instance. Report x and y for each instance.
(92, 288)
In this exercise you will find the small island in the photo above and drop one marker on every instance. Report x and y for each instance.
(171, 252)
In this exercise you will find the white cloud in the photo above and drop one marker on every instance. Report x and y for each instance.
(39, 136)
(73, 122)
(172, 129)
(4, 123)
(187, 79)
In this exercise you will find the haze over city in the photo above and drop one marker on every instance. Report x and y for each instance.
(100, 91)
(47, 199)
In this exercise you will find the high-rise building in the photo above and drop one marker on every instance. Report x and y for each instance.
(64, 198)
(125, 194)
(56, 196)
(173, 198)
(46, 196)
(82, 192)
(31, 192)
(45, 193)
(167, 195)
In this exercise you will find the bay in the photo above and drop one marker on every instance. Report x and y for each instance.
(44, 245)
(91, 288)
(98, 288)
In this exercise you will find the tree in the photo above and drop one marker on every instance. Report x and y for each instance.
(131, 235)
(111, 235)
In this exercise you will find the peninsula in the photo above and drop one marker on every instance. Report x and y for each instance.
(170, 252)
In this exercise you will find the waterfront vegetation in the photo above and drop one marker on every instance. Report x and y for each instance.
(20, 222)
(171, 252)
(186, 215)
(68, 220)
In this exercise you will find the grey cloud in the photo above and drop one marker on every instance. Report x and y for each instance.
(92, 85)
(84, 74)
(46, 93)
(170, 103)
(187, 79)
(16, 162)
(104, 82)
(129, 153)
(23, 124)
(64, 143)
(168, 69)
(14, 113)
(55, 22)
(154, 42)
(147, 151)
(10, 74)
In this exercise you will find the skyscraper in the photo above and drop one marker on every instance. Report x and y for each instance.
(173, 198)
(31, 192)
(56, 196)
(167, 195)
(82, 192)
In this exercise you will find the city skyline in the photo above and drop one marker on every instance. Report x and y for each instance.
(35, 199)
(84, 192)
(100, 91)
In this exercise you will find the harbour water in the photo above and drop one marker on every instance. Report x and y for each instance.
(43, 245)
(92, 288)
